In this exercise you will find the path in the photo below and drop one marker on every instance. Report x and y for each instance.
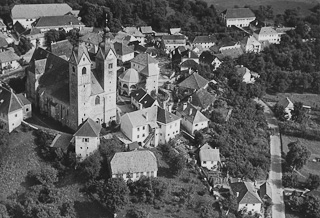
(275, 175)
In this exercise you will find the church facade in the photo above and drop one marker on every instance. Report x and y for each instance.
(69, 90)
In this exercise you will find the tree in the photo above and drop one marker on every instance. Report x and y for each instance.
(44, 175)
(313, 181)
(90, 167)
(178, 164)
(279, 112)
(198, 138)
(138, 212)
(297, 155)
(3, 211)
(311, 207)
(298, 114)
(290, 180)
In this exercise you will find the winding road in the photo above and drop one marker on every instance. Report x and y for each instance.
(275, 174)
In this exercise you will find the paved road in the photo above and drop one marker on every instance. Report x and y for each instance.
(275, 175)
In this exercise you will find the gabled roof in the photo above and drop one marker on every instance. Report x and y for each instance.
(204, 39)
(241, 70)
(60, 48)
(143, 97)
(209, 154)
(233, 52)
(77, 53)
(89, 129)
(8, 56)
(133, 31)
(189, 64)
(265, 190)
(106, 46)
(94, 38)
(250, 40)
(174, 30)
(130, 75)
(8, 101)
(132, 146)
(23, 100)
(18, 27)
(266, 31)
(146, 29)
(150, 70)
(173, 37)
(239, 13)
(53, 21)
(191, 114)
(202, 98)
(247, 194)
(165, 116)
(138, 94)
(285, 102)
(195, 81)
(133, 162)
(189, 54)
(144, 59)
(3, 42)
(122, 49)
(26, 11)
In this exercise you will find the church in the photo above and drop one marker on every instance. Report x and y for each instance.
(69, 90)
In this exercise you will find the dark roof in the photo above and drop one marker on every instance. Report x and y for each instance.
(122, 49)
(313, 193)
(63, 47)
(138, 94)
(239, 13)
(144, 59)
(39, 10)
(52, 21)
(195, 81)
(89, 129)
(202, 98)
(188, 54)
(189, 64)
(165, 116)
(8, 101)
(23, 100)
(204, 39)
(18, 27)
(143, 97)
(3, 42)
(247, 193)
(265, 190)
(173, 37)
(132, 146)
(191, 114)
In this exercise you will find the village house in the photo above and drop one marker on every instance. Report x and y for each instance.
(3, 27)
(26, 14)
(191, 119)
(247, 197)
(212, 59)
(209, 157)
(175, 31)
(13, 108)
(250, 44)
(87, 139)
(35, 36)
(124, 53)
(205, 41)
(140, 99)
(69, 91)
(287, 105)
(181, 54)
(267, 34)
(92, 41)
(8, 61)
(246, 75)
(133, 31)
(202, 99)
(193, 83)
(150, 126)
(66, 22)
(134, 164)
(146, 30)
(171, 42)
(240, 17)
(3, 44)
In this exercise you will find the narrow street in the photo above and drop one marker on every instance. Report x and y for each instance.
(275, 174)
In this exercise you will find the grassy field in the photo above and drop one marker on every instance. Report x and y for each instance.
(279, 7)
(312, 100)
(313, 146)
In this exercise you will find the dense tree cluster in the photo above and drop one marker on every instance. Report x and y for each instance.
(309, 205)
(297, 155)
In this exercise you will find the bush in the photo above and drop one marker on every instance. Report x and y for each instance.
(138, 213)
(313, 181)
(45, 175)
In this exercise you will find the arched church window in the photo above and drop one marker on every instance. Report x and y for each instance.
(73, 69)
(84, 70)
(97, 101)
(125, 86)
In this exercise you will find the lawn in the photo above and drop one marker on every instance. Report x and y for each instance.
(279, 7)
(313, 146)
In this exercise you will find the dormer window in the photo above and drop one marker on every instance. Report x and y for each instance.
(84, 70)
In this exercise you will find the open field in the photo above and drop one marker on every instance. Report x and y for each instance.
(279, 7)
(312, 100)
(313, 146)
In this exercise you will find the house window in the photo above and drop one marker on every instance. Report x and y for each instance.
(246, 205)
(143, 127)
(97, 101)
(85, 140)
(80, 147)
(73, 69)
(138, 128)
(143, 135)
(204, 162)
(253, 204)
(110, 66)
(137, 136)
(152, 174)
(27, 109)
(84, 70)
(196, 125)
(16, 115)
(170, 126)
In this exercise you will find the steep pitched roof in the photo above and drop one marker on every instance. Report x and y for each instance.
(173, 37)
(195, 81)
(143, 97)
(165, 116)
(122, 49)
(189, 64)
(285, 102)
(77, 53)
(8, 101)
(209, 154)
(53, 21)
(191, 114)
(247, 193)
(202, 98)
(8, 56)
(26, 11)
(144, 59)
(133, 162)
(204, 39)
(150, 70)
(89, 129)
(146, 29)
(138, 94)
(189, 54)
(174, 30)
(23, 100)
(265, 190)
(239, 13)
(18, 27)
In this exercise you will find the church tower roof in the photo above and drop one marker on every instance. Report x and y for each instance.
(77, 53)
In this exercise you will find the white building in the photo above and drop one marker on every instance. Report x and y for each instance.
(133, 31)
(134, 164)
(87, 138)
(246, 75)
(251, 44)
(124, 52)
(192, 119)
(140, 99)
(128, 81)
(171, 42)
(204, 41)
(26, 14)
(288, 106)
(13, 108)
(8, 61)
(267, 34)
(150, 126)
(240, 17)
(247, 197)
(209, 157)
(66, 22)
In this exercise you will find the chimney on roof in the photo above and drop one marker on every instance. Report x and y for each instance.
(190, 111)
(184, 105)
(169, 106)
(146, 116)
(237, 194)
(70, 22)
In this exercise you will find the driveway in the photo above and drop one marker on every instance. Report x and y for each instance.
(275, 174)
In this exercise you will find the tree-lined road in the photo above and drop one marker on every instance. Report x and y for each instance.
(275, 174)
